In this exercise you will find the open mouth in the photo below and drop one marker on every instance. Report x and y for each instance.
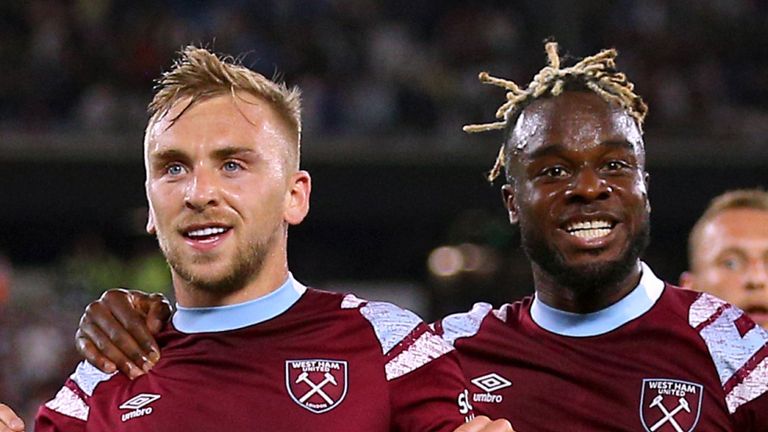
(591, 229)
(206, 234)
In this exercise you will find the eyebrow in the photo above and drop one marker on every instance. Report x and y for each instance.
(162, 156)
(230, 151)
(222, 153)
(559, 148)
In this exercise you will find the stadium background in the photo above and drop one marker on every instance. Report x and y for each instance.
(400, 208)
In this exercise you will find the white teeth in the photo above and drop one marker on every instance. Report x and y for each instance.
(596, 224)
(591, 233)
(206, 232)
(590, 229)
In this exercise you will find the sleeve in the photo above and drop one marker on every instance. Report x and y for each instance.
(427, 390)
(68, 411)
(739, 350)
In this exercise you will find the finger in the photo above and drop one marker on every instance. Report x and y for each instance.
(114, 315)
(476, 425)
(87, 349)
(104, 345)
(500, 425)
(9, 421)
(157, 311)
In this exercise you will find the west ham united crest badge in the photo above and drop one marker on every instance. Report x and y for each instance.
(670, 405)
(318, 385)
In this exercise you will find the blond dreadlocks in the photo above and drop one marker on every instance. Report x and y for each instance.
(598, 73)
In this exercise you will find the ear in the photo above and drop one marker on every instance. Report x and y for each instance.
(687, 280)
(647, 183)
(508, 196)
(151, 226)
(297, 198)
(151, 223)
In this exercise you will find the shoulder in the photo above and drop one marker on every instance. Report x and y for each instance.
(72, 400)
(391, 324)
(468, 324)
(738, 348)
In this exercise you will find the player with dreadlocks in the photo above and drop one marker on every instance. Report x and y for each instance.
(604, 344)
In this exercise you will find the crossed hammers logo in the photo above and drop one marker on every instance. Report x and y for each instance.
(669, 416)
(316, 388)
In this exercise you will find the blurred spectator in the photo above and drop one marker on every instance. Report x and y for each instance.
(374, 66)
(728, 252)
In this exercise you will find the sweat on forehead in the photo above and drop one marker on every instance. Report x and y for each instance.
(582, 117)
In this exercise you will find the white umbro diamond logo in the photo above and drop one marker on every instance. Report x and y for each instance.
(491, 382)
(139, 401)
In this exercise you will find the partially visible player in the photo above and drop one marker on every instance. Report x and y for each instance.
(728, 252)
(250, 347)
(9, 421)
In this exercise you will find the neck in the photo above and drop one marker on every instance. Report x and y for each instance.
(583, 300)
(270, 277)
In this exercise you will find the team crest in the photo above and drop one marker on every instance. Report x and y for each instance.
(670, 405)
(318, 385)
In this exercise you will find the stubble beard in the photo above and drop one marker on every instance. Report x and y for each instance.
(591, 278)
(246, 265)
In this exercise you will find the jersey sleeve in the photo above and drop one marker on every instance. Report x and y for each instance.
(68, 411)
(427, 390)
(739, 351)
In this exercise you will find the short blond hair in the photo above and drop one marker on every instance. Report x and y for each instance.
(199, 74)
(756, 199)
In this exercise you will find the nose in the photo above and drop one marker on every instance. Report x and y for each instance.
(202, 191)
(588, 186)
(757, 275)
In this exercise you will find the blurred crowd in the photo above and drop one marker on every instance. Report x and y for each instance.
(377, 66)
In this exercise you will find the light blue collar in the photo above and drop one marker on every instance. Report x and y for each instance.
(231, 317)
(635, 304)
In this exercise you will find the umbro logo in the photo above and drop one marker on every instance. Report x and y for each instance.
(138, 405)
(490, 383)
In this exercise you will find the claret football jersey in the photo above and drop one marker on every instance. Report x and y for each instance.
(663, 359)
(298, 359)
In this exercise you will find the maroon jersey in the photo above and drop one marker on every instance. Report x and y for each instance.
(296, 359)
(661, 359)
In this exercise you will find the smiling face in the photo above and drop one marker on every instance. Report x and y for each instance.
(579, 189)
(730, 260)
(223, 187)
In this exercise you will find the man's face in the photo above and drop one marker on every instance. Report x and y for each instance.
(221, 189)
(731, 260)
(580, 192)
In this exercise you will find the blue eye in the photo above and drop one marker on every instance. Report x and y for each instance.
(231, 166)
(731, 263)
(175, 169)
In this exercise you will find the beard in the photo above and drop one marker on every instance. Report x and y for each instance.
(246, 265)
(588, 278)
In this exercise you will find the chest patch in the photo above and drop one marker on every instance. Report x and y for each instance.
(670, 405)
(318, 385)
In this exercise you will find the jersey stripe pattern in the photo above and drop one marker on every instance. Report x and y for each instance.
(738, 346)
(399, 327)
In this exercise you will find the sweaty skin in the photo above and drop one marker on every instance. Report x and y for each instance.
(221, 167)
(730, 260)
(580, 196)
